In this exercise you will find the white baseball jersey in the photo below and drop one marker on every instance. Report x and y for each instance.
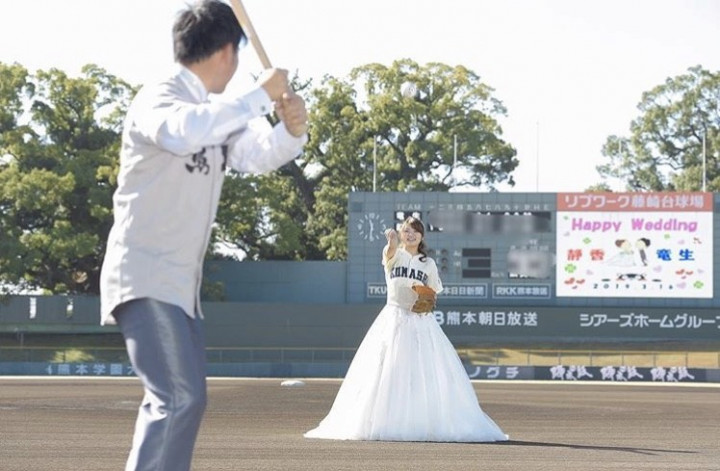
(403, 271)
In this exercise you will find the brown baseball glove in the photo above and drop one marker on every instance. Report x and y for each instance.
(426, 299)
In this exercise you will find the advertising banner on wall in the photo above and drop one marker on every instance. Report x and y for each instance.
(653, 245)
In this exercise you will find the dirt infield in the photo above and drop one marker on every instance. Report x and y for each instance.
(68, 424)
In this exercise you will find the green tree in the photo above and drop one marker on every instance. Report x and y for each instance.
(59, 141)
(362, 126)
(366, 133)
(664, 151)
(59, 147)
(266, 216)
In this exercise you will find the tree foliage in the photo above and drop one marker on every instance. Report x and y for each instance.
(365, 135)
(664, 151)
(59, 141)
(265, 216)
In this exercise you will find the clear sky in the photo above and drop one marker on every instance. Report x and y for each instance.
(570, 72)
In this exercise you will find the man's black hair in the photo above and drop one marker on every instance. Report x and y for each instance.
(203, 29)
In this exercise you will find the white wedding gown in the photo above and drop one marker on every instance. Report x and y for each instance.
(406, 381)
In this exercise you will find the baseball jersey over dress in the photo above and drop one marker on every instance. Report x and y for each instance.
(405, 270)
(176, 147)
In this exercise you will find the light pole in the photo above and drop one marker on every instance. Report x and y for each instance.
(454, 151)
(704, 163)
(537, 157)
(374, 163)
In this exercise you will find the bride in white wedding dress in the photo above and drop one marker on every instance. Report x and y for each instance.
(406, 381)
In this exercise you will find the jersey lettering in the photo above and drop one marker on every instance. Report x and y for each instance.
(407, 272)
(201, 163)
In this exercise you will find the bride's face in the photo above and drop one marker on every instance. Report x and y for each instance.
(410, 237)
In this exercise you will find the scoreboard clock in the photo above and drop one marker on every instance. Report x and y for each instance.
(371, 226)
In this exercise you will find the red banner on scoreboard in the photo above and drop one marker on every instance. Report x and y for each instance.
(651, 201)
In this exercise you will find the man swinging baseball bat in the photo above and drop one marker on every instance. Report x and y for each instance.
(176, 145)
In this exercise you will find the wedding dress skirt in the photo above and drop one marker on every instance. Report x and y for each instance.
(407, 383)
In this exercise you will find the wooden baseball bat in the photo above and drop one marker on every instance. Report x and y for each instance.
(247, 27)
(246, 24)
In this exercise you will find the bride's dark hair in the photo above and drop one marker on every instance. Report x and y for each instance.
(417, 224)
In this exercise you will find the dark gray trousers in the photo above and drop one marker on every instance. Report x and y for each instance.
(167, 352)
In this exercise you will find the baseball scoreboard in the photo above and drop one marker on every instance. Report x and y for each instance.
(546, 249)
